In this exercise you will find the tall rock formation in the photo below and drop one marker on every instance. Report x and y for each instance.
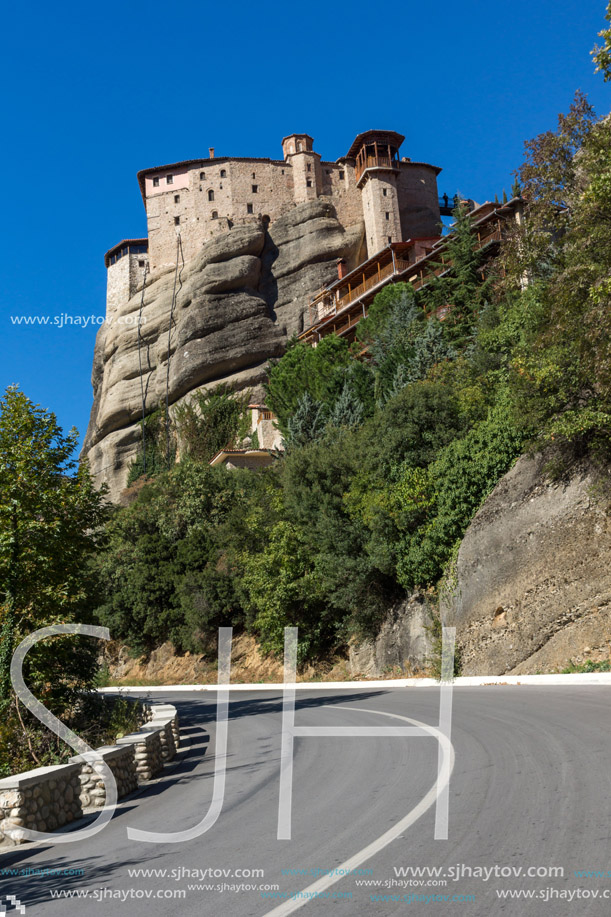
(532, 586)
(241, 298)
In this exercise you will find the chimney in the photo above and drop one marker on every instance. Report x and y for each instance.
(341, 268)
(211, 152)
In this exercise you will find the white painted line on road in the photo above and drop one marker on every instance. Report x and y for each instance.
(439, 787)
(463, 681)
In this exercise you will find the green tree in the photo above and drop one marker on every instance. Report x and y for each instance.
(348, 410)
(210, 421)
(307, 423)
(172, 568)
(282, 591)
(602, 53)
(561, 373)
(462, 291)
(50, 521)
(434, 506)
(549, 183)
(317, 370)
(394, 300)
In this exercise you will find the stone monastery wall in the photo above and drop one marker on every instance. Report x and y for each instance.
(395, 198)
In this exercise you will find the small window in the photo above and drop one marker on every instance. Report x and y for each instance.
(176, 221)
(389, 239)
(177, 198)
(341, 175)
(215, 215)
(255, 188)
(387, 215)
(309, 167)
(141, 264)
(156, 182)
(202, 176)
(211, 195)
(169, 179)
(249, 208)
(384, 191)
(223, 173)
(254, 175)
(282, 171)
(309, 182)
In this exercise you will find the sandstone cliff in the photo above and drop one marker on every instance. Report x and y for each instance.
(241, 298)
(532, 585)
(403, 646)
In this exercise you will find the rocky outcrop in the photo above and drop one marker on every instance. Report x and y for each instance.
(403, 646)
(531, 591)
(239, 301)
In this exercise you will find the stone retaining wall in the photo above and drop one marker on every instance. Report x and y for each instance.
(47, 798)
(146, 748)
(121, 761)
(43, 799)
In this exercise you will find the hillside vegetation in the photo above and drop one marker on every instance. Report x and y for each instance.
(387, 459)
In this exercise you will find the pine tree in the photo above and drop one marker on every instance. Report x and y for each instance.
(462, 290)
(347, 410)
(307, 423)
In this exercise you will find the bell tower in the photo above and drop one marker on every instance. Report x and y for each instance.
(305, 163)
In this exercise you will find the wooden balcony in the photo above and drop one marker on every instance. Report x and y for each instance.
(368, 283)
(372, 162)
(487, 235)
(340, 306)
(375, 156)
(330, 302)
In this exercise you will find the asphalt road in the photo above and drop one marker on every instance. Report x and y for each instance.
(531, 788)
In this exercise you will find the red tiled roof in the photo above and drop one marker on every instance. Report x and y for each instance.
(389, 137)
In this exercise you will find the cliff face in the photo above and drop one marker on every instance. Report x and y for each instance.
(241, 299)
(404, 645)
(532, 591)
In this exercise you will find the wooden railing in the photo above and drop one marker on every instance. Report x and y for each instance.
(330, 304)
(484, 237)
(332, 307)
(345, 324)
(372, 162)
(496, 235)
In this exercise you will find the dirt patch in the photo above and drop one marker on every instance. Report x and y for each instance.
(248, 666)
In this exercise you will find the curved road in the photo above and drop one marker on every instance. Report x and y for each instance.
(531, 789)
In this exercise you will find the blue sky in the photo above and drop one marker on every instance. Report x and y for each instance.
(93, 93)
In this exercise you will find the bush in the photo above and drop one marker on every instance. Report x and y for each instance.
(25, 743)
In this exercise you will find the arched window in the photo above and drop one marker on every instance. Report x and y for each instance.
(223, 173)
(211, 195)
(215, 215)
(299, 147)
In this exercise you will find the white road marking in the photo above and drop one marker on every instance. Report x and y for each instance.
(290, 906)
